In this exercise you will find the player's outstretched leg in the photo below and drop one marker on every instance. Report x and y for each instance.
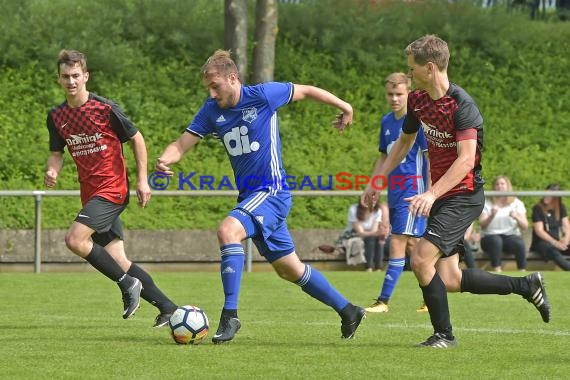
(130, 286)
(153, 295)
(316, 285)
(231, 269)
(351, 316)
(530, 287)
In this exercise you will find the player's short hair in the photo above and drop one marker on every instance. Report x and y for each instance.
(396, 79)
(220, 62)
(429, 48)
(71, 57)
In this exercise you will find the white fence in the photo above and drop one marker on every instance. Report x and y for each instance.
(39, 194)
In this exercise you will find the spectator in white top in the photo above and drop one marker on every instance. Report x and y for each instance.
(501, 222)
(373, 227)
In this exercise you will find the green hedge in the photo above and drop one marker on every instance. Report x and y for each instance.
(145, 54)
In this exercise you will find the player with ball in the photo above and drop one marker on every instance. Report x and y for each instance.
(245, 119)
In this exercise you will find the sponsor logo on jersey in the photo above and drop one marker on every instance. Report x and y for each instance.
(237, 142)
(432, 131)
(83, 138)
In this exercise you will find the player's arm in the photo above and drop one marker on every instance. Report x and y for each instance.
(344, 119)
(384, 227)
(174, 152)
(384, 165)
(463, 164)
(139, 151)
(421, 204)
(53, 167)
(428, 179)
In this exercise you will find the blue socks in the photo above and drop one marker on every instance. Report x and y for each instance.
(231, 269)
(316, 285)
(395, 269)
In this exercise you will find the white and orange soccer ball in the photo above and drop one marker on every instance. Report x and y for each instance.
(189, 325)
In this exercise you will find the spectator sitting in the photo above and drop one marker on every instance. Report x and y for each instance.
(549, 219)
(501, 222)
(373, 228)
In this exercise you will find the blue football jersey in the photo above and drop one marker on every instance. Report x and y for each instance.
(400, 182)
(250, 134)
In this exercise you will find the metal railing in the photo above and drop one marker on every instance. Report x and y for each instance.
(39, 194)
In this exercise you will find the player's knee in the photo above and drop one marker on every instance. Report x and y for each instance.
(228, 233)
(75, 243)
(291, 271)
(417, 265)
(285, 274)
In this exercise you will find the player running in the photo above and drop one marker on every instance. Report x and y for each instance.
(245, 120)
(406, 180)
(93, 129)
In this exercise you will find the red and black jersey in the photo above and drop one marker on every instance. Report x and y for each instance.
(93, 134)
(445, 121)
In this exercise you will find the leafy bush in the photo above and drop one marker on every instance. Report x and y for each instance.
(145, 54)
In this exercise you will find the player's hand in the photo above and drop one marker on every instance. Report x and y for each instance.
(421, 204)
(50, 178)
(343, 120)
(143, 193)
(161, 166)
(369, 197)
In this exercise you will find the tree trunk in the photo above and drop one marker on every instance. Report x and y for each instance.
(235, 33)
(265, 34)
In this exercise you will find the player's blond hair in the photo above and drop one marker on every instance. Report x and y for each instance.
(429, 48)
(220, 62)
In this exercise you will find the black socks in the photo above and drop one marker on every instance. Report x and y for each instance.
(435, 297)
(478, 281)
(150, 292)
(101, 260)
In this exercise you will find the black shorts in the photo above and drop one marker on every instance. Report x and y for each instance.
(449, 219)
(102, 216)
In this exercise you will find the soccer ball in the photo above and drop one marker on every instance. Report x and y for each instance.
(188, 325)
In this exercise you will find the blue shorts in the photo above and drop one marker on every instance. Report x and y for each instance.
(402, 222)
(264, 217)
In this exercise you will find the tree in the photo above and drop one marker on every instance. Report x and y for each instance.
(265, 35)
(235, 33)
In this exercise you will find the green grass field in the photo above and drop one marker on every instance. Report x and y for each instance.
(69, 326)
